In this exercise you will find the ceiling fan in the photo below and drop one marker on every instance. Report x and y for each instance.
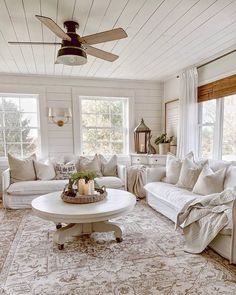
(74, 49)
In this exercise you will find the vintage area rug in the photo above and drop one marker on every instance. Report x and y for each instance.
(150, 260)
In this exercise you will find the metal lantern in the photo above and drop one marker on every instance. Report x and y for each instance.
(141, 138)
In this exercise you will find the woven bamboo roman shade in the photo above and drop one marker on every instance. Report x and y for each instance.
(217, 89)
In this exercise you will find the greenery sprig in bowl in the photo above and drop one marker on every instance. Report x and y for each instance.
(86, 175)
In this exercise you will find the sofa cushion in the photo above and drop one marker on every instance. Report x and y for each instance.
(173, 168)
(189, 173)
(63, 171)
(109, 182)
(44, 171)
(173, 195)
(21, 169)
(210, 182)
(218, 164)
(108, 167)
(86, 164)
(230, 178)
(24, 188)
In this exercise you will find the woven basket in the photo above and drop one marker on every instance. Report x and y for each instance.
(84, 199)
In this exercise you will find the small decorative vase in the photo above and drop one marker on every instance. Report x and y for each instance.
(164, 148)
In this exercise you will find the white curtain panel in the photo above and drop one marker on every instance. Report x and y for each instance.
(187, 138)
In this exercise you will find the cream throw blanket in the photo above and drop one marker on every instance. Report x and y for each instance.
(137, 180)
(203, 219)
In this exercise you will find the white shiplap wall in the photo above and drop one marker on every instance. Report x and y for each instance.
(59, 92)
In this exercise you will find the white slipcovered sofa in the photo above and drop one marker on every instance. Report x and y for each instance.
(169, 199)
(19, 195)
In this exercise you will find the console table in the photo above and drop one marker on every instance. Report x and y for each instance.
(148, 160)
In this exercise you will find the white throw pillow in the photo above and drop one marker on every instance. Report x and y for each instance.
(230, 178)
(210, 182)
(21, 169)
(189, 173)
(109, 167)
(173, 167)
(86, 164)
(63, 171)
(44, 171)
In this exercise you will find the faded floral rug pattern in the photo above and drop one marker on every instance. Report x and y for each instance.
(150, 260)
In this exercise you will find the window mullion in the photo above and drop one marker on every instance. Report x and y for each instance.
(218, 130)
(200, 106)
(110, 127)
(221, 124)
(21, 137)
(4, 127)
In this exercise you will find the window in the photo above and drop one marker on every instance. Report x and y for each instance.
(229, 129)
(19, 125)
(217, 128)
(104, 125)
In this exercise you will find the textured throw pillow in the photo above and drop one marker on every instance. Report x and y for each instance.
(173, 167)
(63, 171)
(230, 178)
(94, 165)
(210, 182)
(189, 173)
(21, 169)
(108, 167)
(44, 171)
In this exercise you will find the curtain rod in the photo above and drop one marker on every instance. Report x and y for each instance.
(215, 59)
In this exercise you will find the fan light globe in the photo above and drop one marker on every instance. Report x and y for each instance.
(71, 56)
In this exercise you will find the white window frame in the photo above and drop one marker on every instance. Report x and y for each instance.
(218, 129)
(40, 94)
(126, 118)
(22, 96)
(107, 91)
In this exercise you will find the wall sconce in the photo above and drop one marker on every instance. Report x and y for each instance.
(59, 116)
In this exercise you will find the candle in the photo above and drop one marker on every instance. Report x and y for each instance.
(142, 148)
(86, 189)
(81, 186)
(91, 187)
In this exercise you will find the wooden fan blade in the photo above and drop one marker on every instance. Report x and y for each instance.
(33, 43)
(48, 22)
(100, 53)
(106, 36)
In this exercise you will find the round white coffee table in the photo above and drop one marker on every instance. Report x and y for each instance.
(84, 218)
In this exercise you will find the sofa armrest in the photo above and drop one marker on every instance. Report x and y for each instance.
(6, 179)
(155, 174)
(122, 174)
(233, 239)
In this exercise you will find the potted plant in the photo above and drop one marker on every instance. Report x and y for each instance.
(164, 143)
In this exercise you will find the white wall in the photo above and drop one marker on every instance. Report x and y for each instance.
(221, 68)
(61, 92)
(171, 89)
(171, 92)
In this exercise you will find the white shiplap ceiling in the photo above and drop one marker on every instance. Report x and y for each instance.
(164, 36)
